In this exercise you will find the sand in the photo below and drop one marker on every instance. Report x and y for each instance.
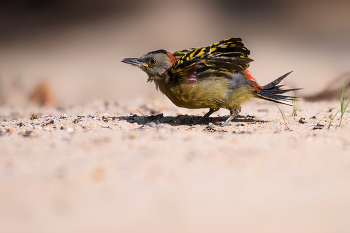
(105, 167)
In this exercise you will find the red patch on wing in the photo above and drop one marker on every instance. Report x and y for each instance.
(172, 57)
(193, 78)
(253, 80)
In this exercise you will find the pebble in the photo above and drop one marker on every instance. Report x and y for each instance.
(10, 131)
(105, 119)
(70, 130)
(75, 121)
(35, 116)
(151, 124)
(20, 124)
(302, 120)
(239, 124)
(318, 126)
(163, 128)
(27, 133)
(63, 116)
(210, 128)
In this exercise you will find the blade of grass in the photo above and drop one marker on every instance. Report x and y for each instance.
(283, 117)
(331, 118)
(295, 105)
(342, 106)
(282, 113)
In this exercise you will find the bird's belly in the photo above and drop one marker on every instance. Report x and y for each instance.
(199, 95)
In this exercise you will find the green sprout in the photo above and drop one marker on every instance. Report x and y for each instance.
(331, 118)
(283, 117)
(295, 105)
(343, 107)
(330, 109)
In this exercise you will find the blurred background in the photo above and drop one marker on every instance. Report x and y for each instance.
(69, 51)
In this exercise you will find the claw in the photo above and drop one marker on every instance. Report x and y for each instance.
(234, 112)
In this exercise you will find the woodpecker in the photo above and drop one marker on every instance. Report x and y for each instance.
(211, 77)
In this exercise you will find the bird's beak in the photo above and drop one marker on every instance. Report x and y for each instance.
(134, 62)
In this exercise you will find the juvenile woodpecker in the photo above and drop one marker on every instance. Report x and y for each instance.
(211, 77)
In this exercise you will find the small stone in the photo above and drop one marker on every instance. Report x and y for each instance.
(302, 120)
(63, 116)
(105, 118)
(85, 127)
(164, 126)
(318, 126)
(76, 120)
(27, 133)
(10, 131)
(313, 117)
(69, 130)
(239, 124)
(35, 116)
(210, 128)
(251, 117)
(20, 124)
(151, 124)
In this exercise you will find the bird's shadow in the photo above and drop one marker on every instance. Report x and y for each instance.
(186, 119)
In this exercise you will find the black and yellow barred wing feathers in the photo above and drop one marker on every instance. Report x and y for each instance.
(228, 54)
(181, 53)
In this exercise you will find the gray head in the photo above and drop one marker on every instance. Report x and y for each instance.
(155, 63)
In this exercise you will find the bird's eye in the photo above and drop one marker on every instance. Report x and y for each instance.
(152, 61)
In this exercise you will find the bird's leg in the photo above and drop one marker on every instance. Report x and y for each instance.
(206, 116)
(211, 111)
(233, 113)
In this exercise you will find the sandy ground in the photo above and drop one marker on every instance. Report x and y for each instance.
(144, 165)
(104, 167)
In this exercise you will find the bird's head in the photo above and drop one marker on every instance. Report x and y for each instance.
(155, 63)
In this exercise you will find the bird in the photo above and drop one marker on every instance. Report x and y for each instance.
(214, 77)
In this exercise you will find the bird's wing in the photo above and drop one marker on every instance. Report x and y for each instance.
(180, 53)
(228, 54)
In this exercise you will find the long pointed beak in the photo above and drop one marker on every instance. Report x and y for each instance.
(134, 62)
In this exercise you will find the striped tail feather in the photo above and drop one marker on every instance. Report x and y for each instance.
(273, 92)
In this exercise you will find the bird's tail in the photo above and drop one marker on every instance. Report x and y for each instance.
(273, 92)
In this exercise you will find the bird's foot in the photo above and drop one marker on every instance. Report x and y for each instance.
(227, 121)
